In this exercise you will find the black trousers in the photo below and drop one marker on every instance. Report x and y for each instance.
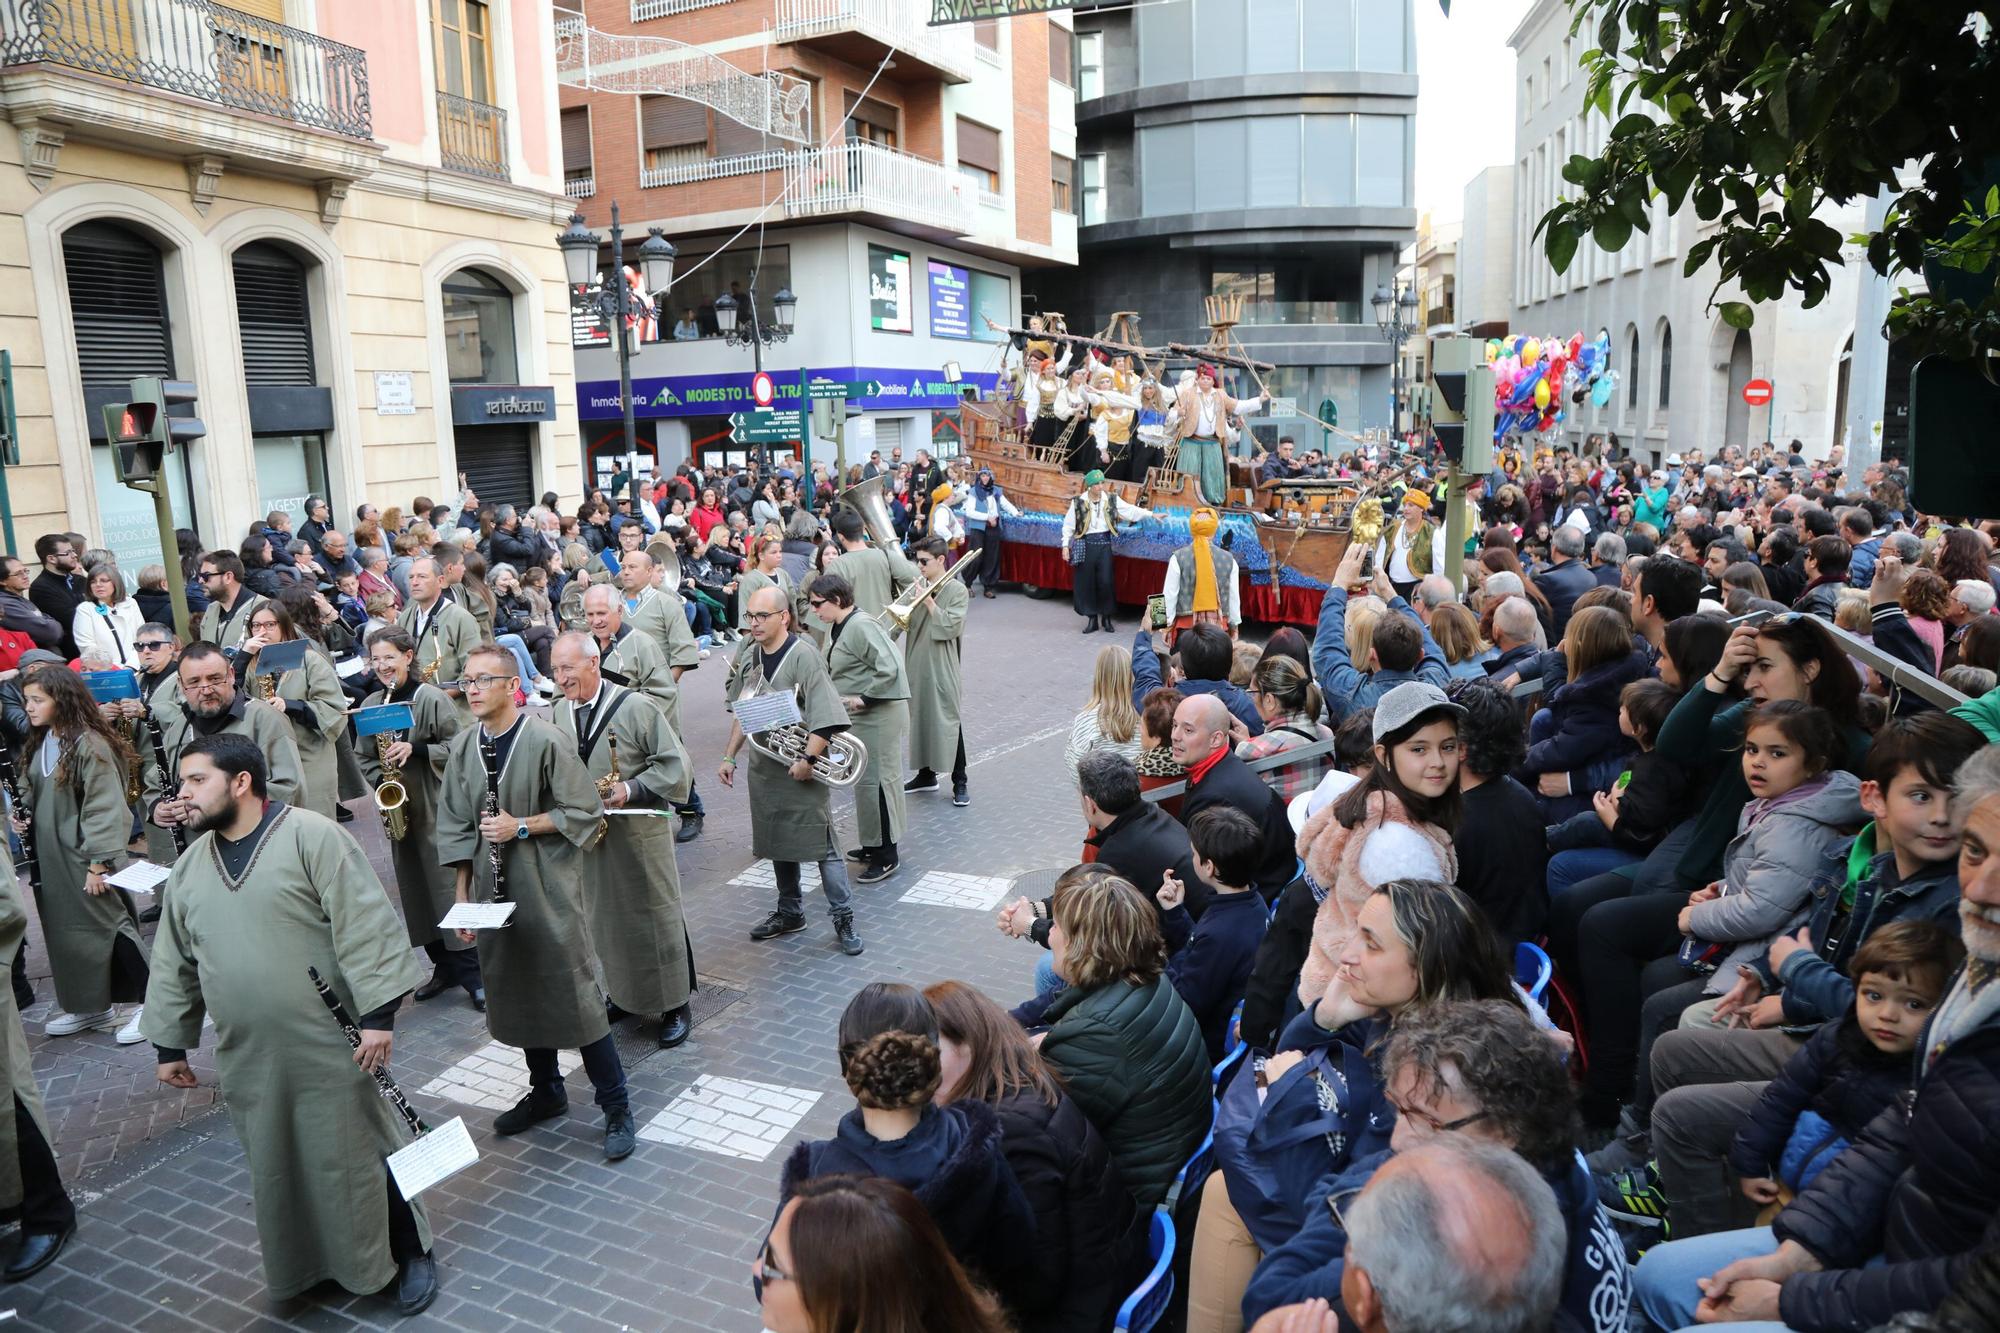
(45, 1208)
(600, 1061)
(1627, 949)
(957, 763)
(460, 967)
(986, 570)
(1093, 594)
(886, 849)
(405, 1241)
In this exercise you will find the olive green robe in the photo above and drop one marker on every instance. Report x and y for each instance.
(165, 701)
(863, 662)
(789, 820)
(316, 686)
(659, 617)
(78, 820)
(752, 580)
(14, 1052)
(262, 725)
(227, 629)
(426, 888)
(875, 574)
(631, 886)
(315, 1128)
(442, 647)
(539, 986)
(936, 634)
(636, 660)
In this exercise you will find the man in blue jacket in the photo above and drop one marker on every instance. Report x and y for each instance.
(1402, 648)
(1484, 1070)
(1898, 1219)
(1204, 651)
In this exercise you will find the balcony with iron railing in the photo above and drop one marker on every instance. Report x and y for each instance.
(472, 137)
(864, 32)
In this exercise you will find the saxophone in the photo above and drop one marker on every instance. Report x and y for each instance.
(392, 798)
(267, 687)
(610, 779)
(429, 673)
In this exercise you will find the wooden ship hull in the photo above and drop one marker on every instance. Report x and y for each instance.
(1303, 526)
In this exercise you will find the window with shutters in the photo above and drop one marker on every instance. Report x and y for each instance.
(1062, 175)
(979, 154)
(479, 329)
(464, 49)
(1061, 55)
(870, 121)
(673, 132)
(732, 138)
(273, 316)
(117, 304)
(577, 164)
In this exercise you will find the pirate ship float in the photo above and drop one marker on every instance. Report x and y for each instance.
(1287, 536)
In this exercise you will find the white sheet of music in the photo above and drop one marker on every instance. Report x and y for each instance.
(760, 712)
(442, 1153)
(140, 877)
(477, 916)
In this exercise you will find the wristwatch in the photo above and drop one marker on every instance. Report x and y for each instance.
(521, 829)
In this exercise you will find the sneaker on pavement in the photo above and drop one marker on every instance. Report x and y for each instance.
(843, 931)
(961, 795)
(874, 872)
(1634, 1195)
(531, 1110)
(776, 924)
(921, 782)
(67, 1024)
(129, 1034)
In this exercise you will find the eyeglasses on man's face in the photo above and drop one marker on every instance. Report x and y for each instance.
(759, 617)
(488, 682)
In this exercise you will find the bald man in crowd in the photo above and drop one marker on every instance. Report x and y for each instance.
(1215, 776)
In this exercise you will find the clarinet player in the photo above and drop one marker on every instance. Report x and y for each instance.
(515, 812)
(426, 888)
(267, 891)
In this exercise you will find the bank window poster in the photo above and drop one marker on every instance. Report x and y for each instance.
(889, 291)
(951, 297)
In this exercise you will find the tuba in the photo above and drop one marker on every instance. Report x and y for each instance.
(896, 616)
(868, 497)
(391, 797)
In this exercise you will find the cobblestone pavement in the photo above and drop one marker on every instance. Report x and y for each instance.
(542, 1233)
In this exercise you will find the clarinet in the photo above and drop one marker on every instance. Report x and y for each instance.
(390, 1091)
(489, 756)
(175, 831)
(27, 815)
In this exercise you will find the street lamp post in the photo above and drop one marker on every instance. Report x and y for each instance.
(1396, 317)
(615, 307)
(786, 307)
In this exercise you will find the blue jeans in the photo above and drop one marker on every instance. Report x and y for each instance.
(1664, 1287)
(514, 644)
(1570, 868)
(1047, 983)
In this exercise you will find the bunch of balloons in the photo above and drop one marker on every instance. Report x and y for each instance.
(1532, 377)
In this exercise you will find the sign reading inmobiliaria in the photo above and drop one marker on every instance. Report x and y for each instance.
(720, 395)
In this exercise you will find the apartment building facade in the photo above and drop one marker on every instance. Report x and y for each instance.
(1681, 369)
(896, 179)
(1261, 149)
(337, 217)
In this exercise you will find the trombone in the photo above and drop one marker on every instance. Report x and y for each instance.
(895, 617)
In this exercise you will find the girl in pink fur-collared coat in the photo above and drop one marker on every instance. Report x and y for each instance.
(1394, 824)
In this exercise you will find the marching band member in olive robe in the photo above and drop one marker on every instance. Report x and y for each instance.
(445, 632)
(515, 812)
(632, 889)
(211, 705)
(658, 612)
(867, 673)
(931, 650)
(309, 698)
(873, 573)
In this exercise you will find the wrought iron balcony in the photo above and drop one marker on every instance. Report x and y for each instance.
(472, 137)
(197, 49)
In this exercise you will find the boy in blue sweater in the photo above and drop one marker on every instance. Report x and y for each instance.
(1208, 961)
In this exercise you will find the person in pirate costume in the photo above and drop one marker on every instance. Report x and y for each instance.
(1089, 524)
(1201, 586)
(1204, 431)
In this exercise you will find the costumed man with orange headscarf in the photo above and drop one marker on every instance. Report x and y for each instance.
(1089, 524)
(1201, 587)
(944, 519)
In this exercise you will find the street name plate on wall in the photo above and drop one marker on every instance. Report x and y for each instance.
(395, 396)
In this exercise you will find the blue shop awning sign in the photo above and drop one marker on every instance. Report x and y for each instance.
(720, 395)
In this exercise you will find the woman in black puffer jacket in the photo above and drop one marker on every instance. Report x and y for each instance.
(1089, 1246)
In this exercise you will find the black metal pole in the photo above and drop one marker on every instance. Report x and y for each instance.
(625, 357)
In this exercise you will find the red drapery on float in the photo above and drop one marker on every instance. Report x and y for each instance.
(1136, 580)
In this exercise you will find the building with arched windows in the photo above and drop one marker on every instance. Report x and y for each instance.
(337, 219)
(1681, 369)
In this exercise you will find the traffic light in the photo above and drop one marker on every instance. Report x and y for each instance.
(1462, 402)
(142, 432)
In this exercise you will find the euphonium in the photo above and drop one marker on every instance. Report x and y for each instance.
(391, 796)
(896, 615)
(838, 766)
